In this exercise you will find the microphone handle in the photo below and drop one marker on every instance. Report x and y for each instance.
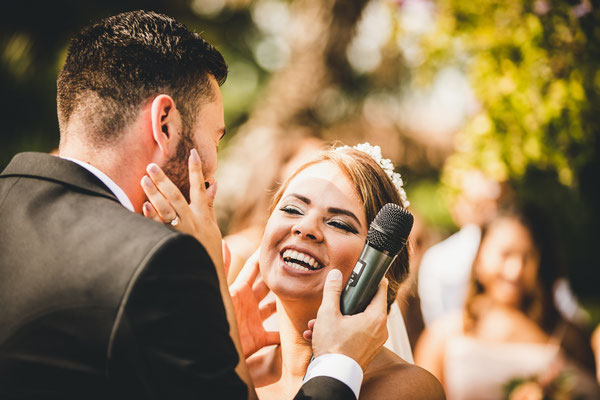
(364, 280)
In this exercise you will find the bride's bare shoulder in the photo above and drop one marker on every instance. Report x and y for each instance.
(390, 377)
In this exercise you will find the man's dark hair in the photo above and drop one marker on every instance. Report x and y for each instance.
(118, 64)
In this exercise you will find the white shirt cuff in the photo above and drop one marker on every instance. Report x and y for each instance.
(337, 366)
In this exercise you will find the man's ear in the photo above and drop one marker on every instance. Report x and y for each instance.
(166, 124)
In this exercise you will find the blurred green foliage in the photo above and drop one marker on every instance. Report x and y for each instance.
(428, 199)
(535, 69)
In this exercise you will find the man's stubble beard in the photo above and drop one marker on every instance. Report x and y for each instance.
(176, 168)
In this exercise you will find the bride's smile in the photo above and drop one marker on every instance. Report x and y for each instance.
(300, 260)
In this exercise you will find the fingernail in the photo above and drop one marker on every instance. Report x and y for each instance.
(194, 156)
(146, 181)
(334, 275)
(153, 168)
(147, 206)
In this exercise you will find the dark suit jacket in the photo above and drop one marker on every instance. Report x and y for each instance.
(97, 302)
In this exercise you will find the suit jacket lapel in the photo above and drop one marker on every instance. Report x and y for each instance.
(44, 166)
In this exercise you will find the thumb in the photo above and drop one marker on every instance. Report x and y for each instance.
(332, 291)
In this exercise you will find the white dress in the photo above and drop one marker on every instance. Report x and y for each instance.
(475, 369)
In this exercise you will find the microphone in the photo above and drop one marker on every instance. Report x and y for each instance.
(387, 236)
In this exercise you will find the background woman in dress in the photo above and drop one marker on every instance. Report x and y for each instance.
(510, 327)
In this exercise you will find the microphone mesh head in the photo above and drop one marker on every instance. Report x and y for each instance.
(390, 229)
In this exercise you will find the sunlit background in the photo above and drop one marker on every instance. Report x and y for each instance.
(508, 87)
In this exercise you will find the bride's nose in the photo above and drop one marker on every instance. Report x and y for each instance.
(308, 228)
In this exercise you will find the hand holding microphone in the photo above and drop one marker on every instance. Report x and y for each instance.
(361, 336)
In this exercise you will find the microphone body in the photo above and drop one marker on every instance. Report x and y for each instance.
(364, 280)
(387, 236)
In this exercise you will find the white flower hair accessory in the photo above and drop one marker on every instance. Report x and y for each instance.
(385, 164)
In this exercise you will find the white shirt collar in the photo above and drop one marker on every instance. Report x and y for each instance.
(117, 191)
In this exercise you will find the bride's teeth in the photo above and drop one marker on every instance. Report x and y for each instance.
(297, 266)
(290, 256)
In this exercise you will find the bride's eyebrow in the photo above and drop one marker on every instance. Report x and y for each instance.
(335, 210)
(331, 210)
(303, 199)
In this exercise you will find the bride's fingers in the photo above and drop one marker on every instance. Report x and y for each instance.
(249, 270)
(307, 335)
(150, 212)
(260, 289)
(272, 338)
(163, 209)
(167, 188)
(197, 185)
(267, 308)
(211, 193)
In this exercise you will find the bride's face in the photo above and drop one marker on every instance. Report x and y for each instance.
(318, 224)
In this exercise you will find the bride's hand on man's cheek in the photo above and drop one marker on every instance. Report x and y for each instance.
(166, 204)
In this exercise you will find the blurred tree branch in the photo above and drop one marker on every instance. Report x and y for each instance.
(320, 31)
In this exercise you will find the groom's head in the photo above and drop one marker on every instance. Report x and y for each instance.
(142, 70)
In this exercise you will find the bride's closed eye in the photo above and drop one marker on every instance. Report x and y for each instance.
(289, 209)
(342, 225)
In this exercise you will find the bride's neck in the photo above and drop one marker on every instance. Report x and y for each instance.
(295, 350)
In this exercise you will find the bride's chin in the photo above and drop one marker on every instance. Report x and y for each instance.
(291, 292)
(293, 285)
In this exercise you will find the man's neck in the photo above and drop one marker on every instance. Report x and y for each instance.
(124, 172)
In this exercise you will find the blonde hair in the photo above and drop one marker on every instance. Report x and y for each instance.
(375, 189)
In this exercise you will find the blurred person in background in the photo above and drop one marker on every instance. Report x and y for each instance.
(509, 331)
(445, 268)
(319, 221)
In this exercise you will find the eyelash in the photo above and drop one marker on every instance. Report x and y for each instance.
(290, 210)
(343, 226)
(336, 224)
